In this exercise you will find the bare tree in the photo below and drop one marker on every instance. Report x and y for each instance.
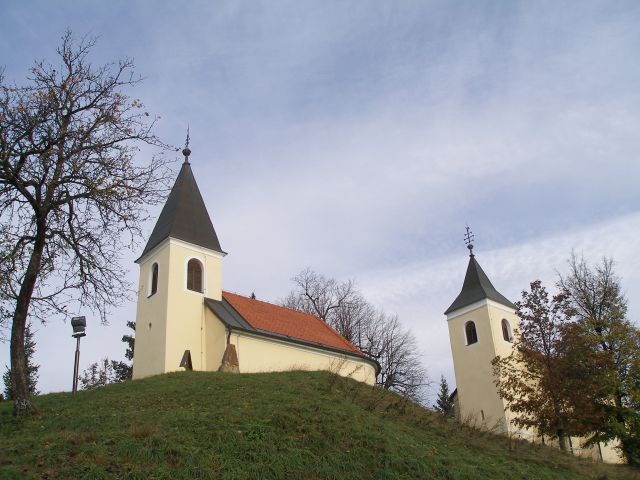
(396, 350)
(600, 307)
(320, 296)
(5, 315)
(375, 333)
(71, 196)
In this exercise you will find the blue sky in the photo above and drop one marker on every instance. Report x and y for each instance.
(358, 138)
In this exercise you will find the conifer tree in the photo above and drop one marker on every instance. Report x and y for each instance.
(32, 368)
(108, 371)
(123, 370)
(444, 403)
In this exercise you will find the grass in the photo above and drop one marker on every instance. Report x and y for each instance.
(294, 425)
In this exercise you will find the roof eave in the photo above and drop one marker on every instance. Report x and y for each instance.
(157, 246)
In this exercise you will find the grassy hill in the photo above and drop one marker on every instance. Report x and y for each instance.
(291, 425)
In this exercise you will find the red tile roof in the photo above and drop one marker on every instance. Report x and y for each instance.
(285, 321)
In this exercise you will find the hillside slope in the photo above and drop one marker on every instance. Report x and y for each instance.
(284, 425)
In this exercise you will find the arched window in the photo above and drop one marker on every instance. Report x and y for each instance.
(506, 331)
(194, 275)
(470, 332)
(154, 279)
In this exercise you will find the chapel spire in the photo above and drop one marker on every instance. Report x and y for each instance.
(477, 285)
(184, 215)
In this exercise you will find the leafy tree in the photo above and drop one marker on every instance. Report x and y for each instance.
(545, 379)
(97, 375)
(595, 295)
(32, 368)
(374, 332)
(444, 403)
(71, 196)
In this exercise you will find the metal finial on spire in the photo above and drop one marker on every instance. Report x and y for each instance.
(468, 239)
(186, 151)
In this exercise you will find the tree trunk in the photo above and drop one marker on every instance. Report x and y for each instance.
(19, 372)
(629, 445)
(563, 441)
(631, 451)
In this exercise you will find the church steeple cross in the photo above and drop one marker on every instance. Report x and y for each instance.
(468, 239)
(186, 151)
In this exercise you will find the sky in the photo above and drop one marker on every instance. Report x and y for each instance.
(360, 138)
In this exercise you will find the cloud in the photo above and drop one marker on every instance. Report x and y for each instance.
(420, 292)
(359, 139)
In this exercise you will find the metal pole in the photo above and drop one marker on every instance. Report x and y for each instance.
(75, 365)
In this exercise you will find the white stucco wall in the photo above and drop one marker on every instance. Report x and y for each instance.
(173, 320)
(151, 315)
(260, 354)
(478, 399)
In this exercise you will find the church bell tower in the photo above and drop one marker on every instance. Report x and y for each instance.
(481, 324)
(180, 266)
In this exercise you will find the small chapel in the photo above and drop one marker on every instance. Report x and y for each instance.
(186, 321)
(482, 323)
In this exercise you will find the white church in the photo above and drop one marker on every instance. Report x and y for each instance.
(185, 320)
(481, 324)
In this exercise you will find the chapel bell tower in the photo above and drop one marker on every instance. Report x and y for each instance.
(180, 266)
(481, 324)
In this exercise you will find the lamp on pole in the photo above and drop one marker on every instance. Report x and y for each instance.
(79, 325)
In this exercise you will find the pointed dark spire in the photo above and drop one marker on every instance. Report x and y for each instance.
(185, 215)
(477, 285)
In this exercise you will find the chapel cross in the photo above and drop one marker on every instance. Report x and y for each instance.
(187, 151)
(468, 239)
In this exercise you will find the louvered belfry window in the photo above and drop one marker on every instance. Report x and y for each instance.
(194, 275)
